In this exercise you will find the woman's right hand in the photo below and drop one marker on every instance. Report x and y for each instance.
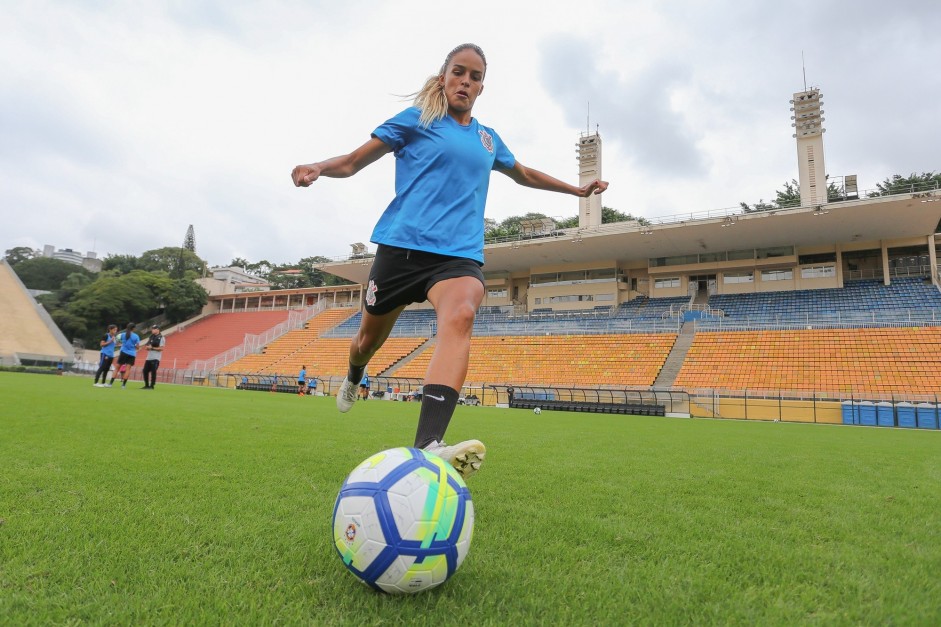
(304, 175)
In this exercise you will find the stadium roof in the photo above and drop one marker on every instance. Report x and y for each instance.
(863, 220)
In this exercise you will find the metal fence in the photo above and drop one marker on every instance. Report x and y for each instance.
(867, 409)
(252, 343)
(880, 318)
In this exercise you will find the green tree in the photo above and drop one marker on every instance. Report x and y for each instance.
(609, 216)
(73, 327)
(311, 275)
(122, 264)
(183, 299)
(19, 253)
(46, 273)
(789, 197)
(120, 299)
(73, 284)
(132, 297)
(260, 268)
(510, 226)
(913, 183)
(176, 262)
(280, 279)
(317, 277)
(189, 241)
(59, 299)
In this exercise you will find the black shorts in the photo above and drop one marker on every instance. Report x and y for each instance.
(400, 276)
(125, 360)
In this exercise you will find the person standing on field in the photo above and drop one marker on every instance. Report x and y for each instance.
(364, 386)
(431, 236)
(128, 341)
(106, 356)
(154, 345)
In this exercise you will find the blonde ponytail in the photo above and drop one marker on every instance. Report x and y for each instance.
(431, 101)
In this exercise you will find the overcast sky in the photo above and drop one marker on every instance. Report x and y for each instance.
(122, 123)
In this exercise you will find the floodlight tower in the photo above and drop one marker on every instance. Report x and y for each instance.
(808, 124)
(589, 169)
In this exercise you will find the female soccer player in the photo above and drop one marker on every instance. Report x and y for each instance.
(302, 381)
(430, 238)
(128, 341)
(106, 357)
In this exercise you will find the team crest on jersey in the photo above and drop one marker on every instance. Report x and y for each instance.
(371, 293)
(487, 140)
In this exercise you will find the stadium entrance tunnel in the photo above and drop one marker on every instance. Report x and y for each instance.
(599, 401)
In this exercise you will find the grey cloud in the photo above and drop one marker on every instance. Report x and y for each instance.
(633, 111)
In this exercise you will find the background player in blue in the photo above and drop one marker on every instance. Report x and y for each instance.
(302, 381)
(128, 341)
(364, 386)
(430, 237)
(107, 355)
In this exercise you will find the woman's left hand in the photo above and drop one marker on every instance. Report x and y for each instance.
(595, 187)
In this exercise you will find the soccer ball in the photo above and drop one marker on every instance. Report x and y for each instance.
(537, 411)
(403, 521)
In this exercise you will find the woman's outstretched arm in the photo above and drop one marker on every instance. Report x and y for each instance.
(340, 167)
(529, 177)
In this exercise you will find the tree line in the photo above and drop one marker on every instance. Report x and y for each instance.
(790, 195)
(286, 276)
(159, 285)
(510, 227)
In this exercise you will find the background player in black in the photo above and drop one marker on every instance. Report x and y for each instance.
(154, 346)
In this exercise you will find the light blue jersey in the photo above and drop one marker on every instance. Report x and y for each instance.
(129, 344)
(108, 349)
(442, 174)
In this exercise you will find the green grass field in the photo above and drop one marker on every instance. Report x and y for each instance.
(188, 505)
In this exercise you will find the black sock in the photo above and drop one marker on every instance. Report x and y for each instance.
(437, 407)
(355, 373)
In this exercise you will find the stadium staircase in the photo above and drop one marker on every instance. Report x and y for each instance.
(392, 369)
(674, 362)
(287, 353)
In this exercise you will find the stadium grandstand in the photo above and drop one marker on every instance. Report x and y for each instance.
(833, 298)
(28, 336)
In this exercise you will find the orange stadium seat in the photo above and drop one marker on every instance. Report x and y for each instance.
(215, 334)
(322, 356)
(889, 360)
(563, 360)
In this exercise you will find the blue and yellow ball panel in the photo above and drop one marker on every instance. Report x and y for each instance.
(403, 521)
